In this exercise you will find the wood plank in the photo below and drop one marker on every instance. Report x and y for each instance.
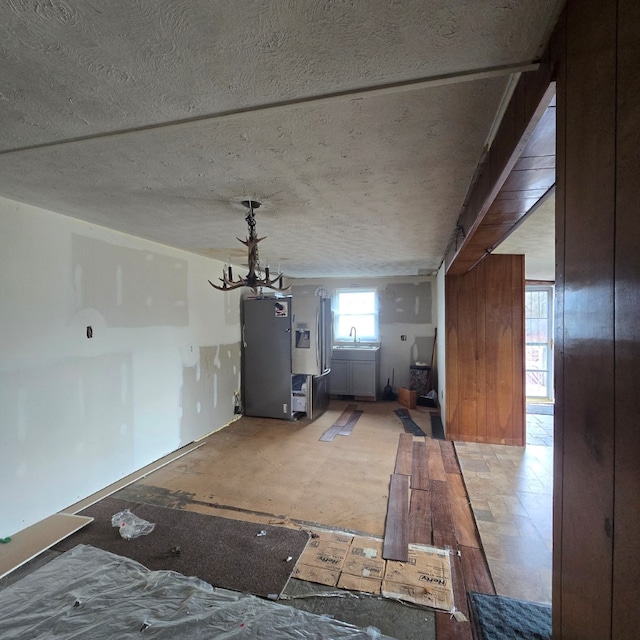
(447, 627)
(588, 356)
(477, 576)
(345, 416)
(519, 402)
(331, 433)
(420, 466)
(559, 36)
(481, 352)
(444, 535)
(348, 427)
(396, 528)
(39, 537)
(341, 423)
(420, 517)
(451, 347)
(404, 454)
(463, 518)
(436, 465)
(626, 560)
(449, 459)
(467, 356)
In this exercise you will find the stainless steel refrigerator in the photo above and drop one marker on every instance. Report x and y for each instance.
(286, 356)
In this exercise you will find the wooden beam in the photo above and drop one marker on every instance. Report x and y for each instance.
(531, 98)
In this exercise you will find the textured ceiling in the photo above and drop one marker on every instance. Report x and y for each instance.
(157, 118)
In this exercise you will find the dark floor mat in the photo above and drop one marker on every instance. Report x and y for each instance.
(437, 430)
(501, 618)
(223, 552)
(409, 425)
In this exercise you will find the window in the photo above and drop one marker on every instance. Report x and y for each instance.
(539, 341)
(359, 309)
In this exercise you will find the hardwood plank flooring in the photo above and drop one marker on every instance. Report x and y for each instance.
(351, 423)
(464, 521)
(436, 464)
(440, 514)
(404, 457)
(420, 466)
(420, 531)
(449, 460)
(397, 524)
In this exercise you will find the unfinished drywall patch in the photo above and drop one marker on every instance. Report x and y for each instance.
(205, 387)
(129, 287)
(79, 410)
(405, 302)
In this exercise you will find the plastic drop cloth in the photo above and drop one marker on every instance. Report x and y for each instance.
(90, 593)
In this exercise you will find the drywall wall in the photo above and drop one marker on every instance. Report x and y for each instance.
(158, 371)
(406, 308)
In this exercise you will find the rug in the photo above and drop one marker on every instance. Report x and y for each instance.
(502, 618)
(226, 553)
(437, 429)
(409, 425)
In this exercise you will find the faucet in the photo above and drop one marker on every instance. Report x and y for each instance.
(353, 332)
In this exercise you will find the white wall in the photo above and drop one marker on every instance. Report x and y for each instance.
(441, 346)
(77, 414)
(407, 307)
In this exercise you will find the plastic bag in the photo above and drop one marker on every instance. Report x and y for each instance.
(130, 525)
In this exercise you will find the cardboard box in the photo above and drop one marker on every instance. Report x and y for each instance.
(323, 557)
(407, 398)
(424, 580)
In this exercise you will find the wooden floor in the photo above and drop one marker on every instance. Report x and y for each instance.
(279, 472)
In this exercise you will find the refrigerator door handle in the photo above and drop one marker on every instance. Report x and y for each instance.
(244, 342)
(318, 339)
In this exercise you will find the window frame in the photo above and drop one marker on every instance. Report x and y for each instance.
(345, 339)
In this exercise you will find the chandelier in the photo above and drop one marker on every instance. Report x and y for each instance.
(253, 279)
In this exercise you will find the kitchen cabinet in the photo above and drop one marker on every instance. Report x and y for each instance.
(354, 372)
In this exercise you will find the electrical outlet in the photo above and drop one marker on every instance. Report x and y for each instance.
(403, 338)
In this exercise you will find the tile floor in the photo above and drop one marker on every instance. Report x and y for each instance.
(511, 491)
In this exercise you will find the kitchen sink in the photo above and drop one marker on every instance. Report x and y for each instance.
(356, 347)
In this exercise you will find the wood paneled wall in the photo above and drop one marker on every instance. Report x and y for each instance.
(597, 439)
(485, 352)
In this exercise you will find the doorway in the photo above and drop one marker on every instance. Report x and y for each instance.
(539, 342)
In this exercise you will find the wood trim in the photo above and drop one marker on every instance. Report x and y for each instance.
(525, 112)
(626, 561)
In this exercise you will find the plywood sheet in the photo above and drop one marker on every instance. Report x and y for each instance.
(33, 540)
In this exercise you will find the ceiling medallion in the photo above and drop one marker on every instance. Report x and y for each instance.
(253, 279)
